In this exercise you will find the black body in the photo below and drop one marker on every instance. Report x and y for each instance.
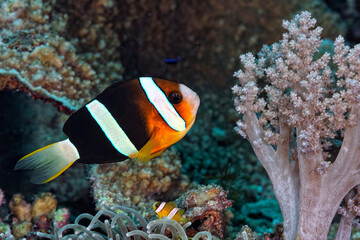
(122, 100)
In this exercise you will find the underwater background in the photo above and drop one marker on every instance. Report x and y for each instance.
(56, 55)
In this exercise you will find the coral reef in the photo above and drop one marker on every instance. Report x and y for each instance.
(67, 51)
(20, 208)
(61, 217)
(28, 218)
(5, 231)
(246, 234)
(292, 117)
(39, 55)
(134, 183)
(20, 229)
(2, 197)
(118, 223)
(42, 224)
(209, 36)
(44, 204)
(207, 206)
(350, 212)
(228, 162)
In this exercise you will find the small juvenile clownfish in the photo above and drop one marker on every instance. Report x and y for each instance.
(170, 211)
(136, 119)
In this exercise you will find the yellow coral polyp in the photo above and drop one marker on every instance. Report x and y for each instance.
(20, 208)
(44, 204)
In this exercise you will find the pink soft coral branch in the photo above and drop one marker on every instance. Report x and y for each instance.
(2, 197)
(291, 121)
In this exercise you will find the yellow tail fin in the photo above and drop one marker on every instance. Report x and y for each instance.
(49, 162)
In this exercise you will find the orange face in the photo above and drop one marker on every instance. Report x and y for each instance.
(186, 103)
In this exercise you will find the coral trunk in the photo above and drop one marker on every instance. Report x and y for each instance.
(326, 189)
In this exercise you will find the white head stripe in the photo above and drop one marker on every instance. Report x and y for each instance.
(161, 207)
(159, 100)
(172, 213)
(111, 128)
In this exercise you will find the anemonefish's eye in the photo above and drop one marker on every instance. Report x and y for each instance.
(157, 205)
(175, 97)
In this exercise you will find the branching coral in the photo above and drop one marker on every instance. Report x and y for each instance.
(119, 225)
(292, 118)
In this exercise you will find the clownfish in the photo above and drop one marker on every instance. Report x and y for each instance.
(170, 211)
(136, 119)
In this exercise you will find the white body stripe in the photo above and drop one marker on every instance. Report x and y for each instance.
(111, 128)
(159, 100)
(173, 212)
(161, 207)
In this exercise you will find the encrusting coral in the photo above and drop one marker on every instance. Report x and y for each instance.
(38, 57)
(293, 107)
(207, 206)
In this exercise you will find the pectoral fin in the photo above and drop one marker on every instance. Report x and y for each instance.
(144, 155)
(154, 155)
